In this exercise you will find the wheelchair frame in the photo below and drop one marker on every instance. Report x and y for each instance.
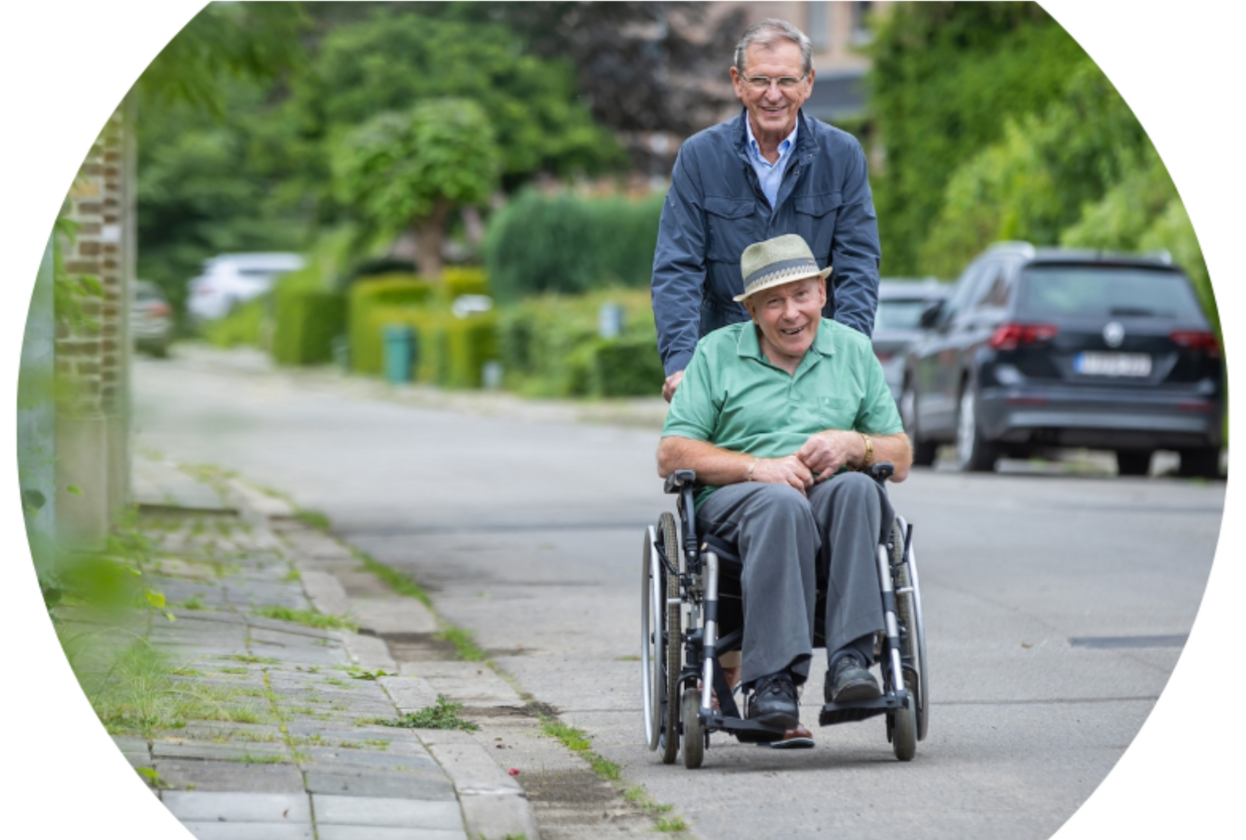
(680, 643)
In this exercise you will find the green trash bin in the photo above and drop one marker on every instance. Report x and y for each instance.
(399, 340)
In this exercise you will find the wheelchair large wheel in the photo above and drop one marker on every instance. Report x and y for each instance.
(909, 613)
(653, 640)
(694, 734)
(673, 643)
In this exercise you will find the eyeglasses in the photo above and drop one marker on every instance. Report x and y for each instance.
(764, 82)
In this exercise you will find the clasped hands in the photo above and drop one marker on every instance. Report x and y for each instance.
(822, 455)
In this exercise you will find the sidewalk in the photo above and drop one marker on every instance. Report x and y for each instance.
(284, 733)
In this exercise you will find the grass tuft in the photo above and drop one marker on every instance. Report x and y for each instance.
(309, 618)
(442, 715)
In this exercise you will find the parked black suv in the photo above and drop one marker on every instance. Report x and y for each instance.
(1044, 348)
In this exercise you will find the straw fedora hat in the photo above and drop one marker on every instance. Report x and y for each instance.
(784, 259)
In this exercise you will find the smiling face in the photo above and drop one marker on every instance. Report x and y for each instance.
(772, 111)
(788, 317)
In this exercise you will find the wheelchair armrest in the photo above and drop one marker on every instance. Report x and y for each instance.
(680, 479)
(882, 471)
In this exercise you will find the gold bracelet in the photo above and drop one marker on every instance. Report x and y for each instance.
(869, 453)
(749, 475)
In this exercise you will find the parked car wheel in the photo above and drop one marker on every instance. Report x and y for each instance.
(1200, 463)
(1133, 461)
(973, 454)
(924, 451)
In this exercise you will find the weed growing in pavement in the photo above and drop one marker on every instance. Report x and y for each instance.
(464, 644)
(442, 715)
(313, 519)
(357, 673)
(309, 618)
(261, 759)
(576, 741)
(292, 576)
(253, 660)
(152, 777)
(671, 824)
(394, 579)
(639, 797)
(192, 603)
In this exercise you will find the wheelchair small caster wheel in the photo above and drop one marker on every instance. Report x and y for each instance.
(694, 734)
(902, 726)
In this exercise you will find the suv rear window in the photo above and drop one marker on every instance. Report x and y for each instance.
(1106, 291)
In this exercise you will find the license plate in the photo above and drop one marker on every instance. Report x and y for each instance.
(1112, 364)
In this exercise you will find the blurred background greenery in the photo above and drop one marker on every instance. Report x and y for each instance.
(395, 144)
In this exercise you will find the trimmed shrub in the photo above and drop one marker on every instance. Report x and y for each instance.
(470, 342)
(387, 291)
(244, 325)
(306, 322)
(567, 245)
(464, 280)
(626, 367)
(549, 346)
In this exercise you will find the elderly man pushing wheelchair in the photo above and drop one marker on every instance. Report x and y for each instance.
(780, 417)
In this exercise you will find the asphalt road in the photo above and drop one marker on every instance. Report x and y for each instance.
(1055, 603)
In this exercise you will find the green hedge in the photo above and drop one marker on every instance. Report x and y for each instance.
(244, 325)
(550, 347)
(388, 292)
(565, 244)
(306, 323)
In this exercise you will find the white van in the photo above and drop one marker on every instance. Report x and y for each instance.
(230, 279)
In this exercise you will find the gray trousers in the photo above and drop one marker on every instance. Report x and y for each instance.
(784, 540)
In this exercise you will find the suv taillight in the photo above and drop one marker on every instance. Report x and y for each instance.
(1203, 342)
(1010, 336)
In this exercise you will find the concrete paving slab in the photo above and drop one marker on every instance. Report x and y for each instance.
(498, 816)
(351, 758)
(393, 615)
(248, 831)
(181, 773)
(470, 766)
(197, 806)
(407, 784)
(325, 593)
(380, 812)
(208, 750)
(363, 832)
(410, 694)
(369, 652)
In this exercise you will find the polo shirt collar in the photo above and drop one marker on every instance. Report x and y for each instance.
(749, 347)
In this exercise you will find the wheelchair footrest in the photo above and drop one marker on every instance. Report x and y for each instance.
(833, 713)
(747, 731)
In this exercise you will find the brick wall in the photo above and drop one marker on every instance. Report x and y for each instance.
(92, 359)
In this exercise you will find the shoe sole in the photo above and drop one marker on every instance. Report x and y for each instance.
(793, 744)
(855, 692)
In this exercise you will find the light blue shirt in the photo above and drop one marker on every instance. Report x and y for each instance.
(770, 175)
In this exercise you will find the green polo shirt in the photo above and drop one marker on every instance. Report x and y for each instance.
(733, 397)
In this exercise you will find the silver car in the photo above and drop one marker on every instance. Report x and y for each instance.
(151, 319)
(896, 327)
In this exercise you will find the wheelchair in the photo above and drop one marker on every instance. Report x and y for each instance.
(689, 595)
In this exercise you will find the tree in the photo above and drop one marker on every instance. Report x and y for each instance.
(401, 56)
(413, 168)
(945, 79)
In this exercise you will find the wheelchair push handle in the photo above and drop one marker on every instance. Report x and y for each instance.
(882, 471)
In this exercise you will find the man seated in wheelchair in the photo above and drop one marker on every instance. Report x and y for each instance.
(779, 417)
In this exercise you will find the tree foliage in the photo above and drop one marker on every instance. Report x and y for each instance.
(945, 79)
(256, 41)
(412, 168)
(398, 57)
(1034, 182)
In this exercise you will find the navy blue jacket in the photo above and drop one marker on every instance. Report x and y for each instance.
(715, 209)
